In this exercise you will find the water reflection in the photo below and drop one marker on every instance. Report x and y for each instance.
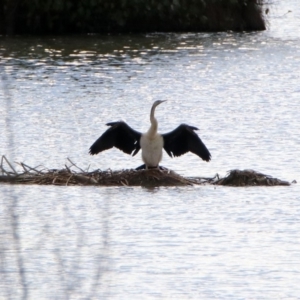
(120, 47)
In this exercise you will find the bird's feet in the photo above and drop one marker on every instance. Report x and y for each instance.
(144, 167)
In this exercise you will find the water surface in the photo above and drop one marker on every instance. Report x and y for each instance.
(240, 89)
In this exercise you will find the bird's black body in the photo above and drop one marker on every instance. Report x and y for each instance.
(176, 143)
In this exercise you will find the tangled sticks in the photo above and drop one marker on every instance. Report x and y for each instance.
(149, 178)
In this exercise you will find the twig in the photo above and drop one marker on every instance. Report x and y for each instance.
(3, 156)
(3, 171)
(1, 165)
(69, 179)
(31, 168)
(123, 183)
(24, 167)
(68, 169)
(75, 165)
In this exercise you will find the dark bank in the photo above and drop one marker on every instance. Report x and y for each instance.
(118, 16)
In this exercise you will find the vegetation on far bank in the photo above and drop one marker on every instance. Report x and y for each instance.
(102, 16)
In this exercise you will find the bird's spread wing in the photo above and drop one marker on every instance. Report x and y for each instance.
(118, 135)
(184, 139)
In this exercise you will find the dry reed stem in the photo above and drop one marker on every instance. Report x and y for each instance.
(4, 158)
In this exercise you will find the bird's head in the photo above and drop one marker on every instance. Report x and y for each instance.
(157, 102)
(152, 118)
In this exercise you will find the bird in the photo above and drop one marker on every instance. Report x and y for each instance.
(181, 140)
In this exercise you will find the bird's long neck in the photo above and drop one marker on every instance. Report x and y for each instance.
(153, 128)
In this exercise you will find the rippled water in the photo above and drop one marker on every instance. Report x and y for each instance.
(206, 242)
